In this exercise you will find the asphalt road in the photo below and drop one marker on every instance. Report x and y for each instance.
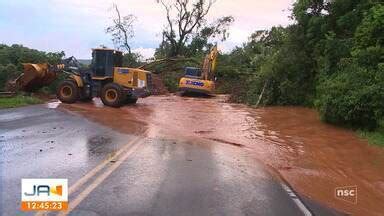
(123, 174)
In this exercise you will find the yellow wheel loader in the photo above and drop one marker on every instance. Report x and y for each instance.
(107, 79)
(200, 80)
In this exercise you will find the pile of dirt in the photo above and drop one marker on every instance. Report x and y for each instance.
(158, 87)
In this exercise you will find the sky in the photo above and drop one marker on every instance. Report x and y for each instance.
(77, 26)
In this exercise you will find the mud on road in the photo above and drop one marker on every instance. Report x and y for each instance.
(313, 157)
(111, 173)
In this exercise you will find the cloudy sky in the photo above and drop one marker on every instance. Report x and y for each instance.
(76, 26)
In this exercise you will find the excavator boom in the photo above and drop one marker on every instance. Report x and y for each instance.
(209, 64)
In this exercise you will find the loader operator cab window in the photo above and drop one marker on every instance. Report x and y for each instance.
(103, 62)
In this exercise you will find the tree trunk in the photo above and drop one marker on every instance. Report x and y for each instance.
(261, 94)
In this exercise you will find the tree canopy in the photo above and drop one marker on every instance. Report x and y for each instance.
(187, 30)
(332, 58)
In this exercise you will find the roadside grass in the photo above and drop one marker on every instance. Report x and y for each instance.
(18, 101)
(374, 137)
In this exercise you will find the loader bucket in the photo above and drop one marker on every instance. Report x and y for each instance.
(35, 76)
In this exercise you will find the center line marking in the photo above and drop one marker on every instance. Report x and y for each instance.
(93, 172)
(73, 204)
(99, 167)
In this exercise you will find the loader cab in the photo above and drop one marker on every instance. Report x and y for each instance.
(104, 60)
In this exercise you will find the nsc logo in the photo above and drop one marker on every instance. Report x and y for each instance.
(347, 193)
(44, 194)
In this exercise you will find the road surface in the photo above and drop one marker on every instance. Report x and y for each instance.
(138, 173)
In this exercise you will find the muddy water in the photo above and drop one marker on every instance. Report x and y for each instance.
(313, 157)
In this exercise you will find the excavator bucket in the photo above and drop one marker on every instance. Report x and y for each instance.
(35, 76)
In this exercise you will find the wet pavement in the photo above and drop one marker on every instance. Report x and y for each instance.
(169, 155)
(314, 157)
(37, 142)
(166, 177)
(135, 173)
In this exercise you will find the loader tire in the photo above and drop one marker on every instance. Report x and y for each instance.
(68, 92)
(113, 95)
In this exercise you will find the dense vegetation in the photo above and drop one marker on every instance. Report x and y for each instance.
(331, 58)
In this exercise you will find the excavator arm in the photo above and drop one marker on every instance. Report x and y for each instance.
(209, 64)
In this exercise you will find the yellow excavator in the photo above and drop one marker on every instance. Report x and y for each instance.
(200, 80)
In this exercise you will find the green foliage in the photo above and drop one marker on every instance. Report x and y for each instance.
(131, 60)
(200, 42)
(370, 33)
(353, 96)
(374, 137)
(7, 72)
(18, 101)
(331, 58)
(171, 81)
(263, 63)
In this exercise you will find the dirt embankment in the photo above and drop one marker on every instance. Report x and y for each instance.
(313, 157)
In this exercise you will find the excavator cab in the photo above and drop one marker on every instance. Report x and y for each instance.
(192, 72)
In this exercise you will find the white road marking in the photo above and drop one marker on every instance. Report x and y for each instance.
(297, 200)
(99, 167)
(74, 203)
